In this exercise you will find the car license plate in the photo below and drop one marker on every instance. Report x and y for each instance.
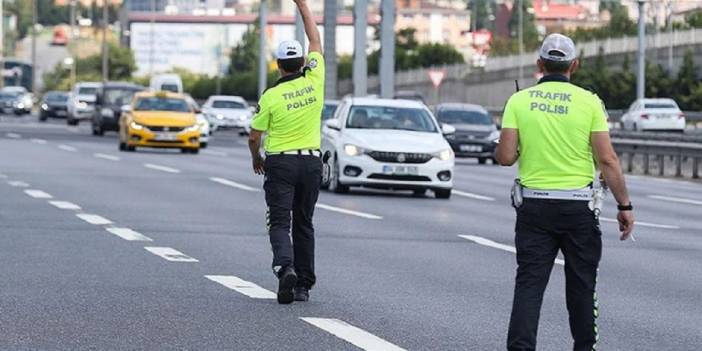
(401, 170)
(165, 137)
(60, 113)
(471, 148)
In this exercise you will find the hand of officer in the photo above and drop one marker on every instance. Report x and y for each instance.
(626, 223)
(258, 166)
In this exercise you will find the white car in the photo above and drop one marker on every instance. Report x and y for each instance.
(654, 115)
(388, 144)
(25, 99)
(205, 128)
(81, 104)
(228, 112)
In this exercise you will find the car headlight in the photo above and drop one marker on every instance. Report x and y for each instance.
(193, 128)
(494, 135)
(135, 126)
(353, 150)
(81, 104)
(107, 113)
(20, 105)
(219, 117)
(444, 155)
(44, 107)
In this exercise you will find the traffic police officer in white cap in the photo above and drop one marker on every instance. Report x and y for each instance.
(554, 129)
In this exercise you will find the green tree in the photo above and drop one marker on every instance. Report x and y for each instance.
(483, 13)
(694, 20)
(244, 56)
(409, 54)
(686, 82)
(531, 34)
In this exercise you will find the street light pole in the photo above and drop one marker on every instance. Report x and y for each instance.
(262, 59)
(641, 69)
(151, 37)
(105, 19)
(520, 32)
(360, 58)
(34, 47)
(2, 45)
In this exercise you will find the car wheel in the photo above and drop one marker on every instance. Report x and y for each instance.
(72, 122)
(442, 193)
(203, 145)
(334, 183)
(194, 151)
(122, 146)
(42, 118)
(482, 160)
(419, 192)
(131, 148)
(494, 161)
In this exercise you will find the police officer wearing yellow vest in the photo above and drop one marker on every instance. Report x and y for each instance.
(553, 129)
(290, 115)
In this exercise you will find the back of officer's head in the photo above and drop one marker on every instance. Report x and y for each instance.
(557, 55)
(290, 57)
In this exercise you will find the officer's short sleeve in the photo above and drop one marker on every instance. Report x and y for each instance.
(261, 120)
(509, 117)
(315, 68)
(599, 117)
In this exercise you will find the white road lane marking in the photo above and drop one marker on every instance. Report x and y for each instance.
(161, 168)
(18, 184)
(38, 141)
(643, 224)
(128, 234)
(495, 245)
(676, 199)
(2, 176)
(13, 135)
(242, 286)
(472, 196)
(170, 254)
(233, 184)
(106, 157)
(93, 219)
(356, 336)
(65, 205)
(348, 212)
(38, 194)
(67, 148)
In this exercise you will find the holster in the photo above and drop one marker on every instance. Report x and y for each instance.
(516, 194)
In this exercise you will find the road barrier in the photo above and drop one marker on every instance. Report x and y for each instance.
(686, 156)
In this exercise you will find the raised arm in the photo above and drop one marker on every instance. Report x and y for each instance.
(310, 27)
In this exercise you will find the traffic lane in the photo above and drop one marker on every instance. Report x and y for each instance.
(131, 293)
(448, 263)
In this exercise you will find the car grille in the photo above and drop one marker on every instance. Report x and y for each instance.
(400, 157)
(472, 135)
(400, 177)
(165, 141)
(165, 129)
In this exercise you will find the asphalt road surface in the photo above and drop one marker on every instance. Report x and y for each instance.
(156, 250)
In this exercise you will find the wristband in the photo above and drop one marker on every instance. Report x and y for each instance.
(625, 207)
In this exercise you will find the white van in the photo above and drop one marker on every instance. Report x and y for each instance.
(166, 82)
(82, 102)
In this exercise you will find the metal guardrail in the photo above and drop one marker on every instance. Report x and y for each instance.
(686, 157)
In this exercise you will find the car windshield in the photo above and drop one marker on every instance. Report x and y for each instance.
(169, 87)
(7, 96)
(660, 105)
(380, 117)
(57, 97)
(228, 104)
(328, 111)
(161, 104)
(87, 91)
(118, 97)
(464, 117)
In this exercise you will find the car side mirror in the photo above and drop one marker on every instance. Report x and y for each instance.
(126, 108)
(197, 111)
(333, 124)
(499, 126)
(447, 129)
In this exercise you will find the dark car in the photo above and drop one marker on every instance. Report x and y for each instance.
(10, 103)
(108, 105)
(476, 131)
(330, 107)
(53, 104)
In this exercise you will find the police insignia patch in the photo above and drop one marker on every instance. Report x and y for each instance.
(312, 64)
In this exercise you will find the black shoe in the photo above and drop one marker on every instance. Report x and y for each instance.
(286, 281)
(301, 293)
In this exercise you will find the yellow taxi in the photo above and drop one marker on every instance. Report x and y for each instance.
(161, 120)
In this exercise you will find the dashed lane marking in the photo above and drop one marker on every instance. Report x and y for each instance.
(38, 194)
(170, 254)
(13, 135)
(214, 153)
(38, 141)
(487, 242)
(233, 184)
(643, 224)
(65, 205)
(161, 168)
(676, 199)
(2, 176)
(94, 219)
(356, 336)
(472, 196)
(348, 212)
(67, 148)
(18, 184)
(242, 286)
(106, 157)
(128, 234)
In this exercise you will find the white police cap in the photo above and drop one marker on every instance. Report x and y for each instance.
(558, 47)
(289, 49)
